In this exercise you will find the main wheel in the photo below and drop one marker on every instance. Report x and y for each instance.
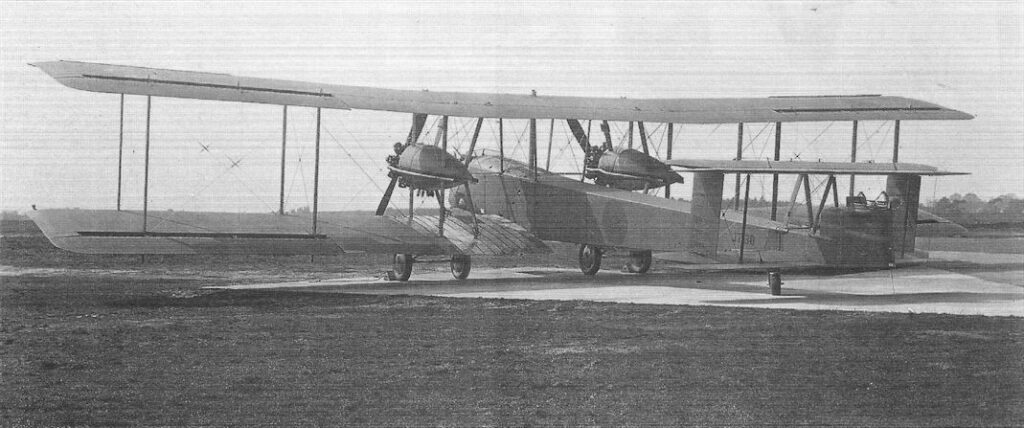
(639, 261)
(590, 259)
(460, 266)
(403, 266)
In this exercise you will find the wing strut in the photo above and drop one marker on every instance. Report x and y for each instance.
(803, 182)
(896, 141)
(739, 156)
(668, 156)
(145, 180)
(853, 156)
(316, 171)
(533, 148)
(743, 229)
(120, 154)
(830, 186)
(551, 139)
(775, 177)
(284, 141)
(501, 146)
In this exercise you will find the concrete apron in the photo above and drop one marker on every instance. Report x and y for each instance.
(914, 289)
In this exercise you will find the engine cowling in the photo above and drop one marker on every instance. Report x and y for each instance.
(631, 169)
(424, 167)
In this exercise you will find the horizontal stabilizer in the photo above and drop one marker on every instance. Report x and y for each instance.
(802, 167)
(120, 79)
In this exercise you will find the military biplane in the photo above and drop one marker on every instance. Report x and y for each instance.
(500, 205)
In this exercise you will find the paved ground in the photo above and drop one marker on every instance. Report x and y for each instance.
(948, 282)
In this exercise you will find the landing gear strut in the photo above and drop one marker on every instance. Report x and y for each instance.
(402, 266)
(590, 259)
(639, 261)
(460, 266)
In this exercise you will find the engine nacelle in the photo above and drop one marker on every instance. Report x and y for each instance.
(424, 167)
(633, 170)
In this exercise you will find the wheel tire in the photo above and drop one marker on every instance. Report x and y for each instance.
(460, 266)
(590, 259)
(639, 262)
(402, 266)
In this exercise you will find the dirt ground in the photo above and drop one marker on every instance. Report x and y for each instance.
(111, 341)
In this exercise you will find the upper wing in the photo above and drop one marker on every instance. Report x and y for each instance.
(121, 79)
(800, 167)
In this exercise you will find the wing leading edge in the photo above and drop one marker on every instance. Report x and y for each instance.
(803, 167)
(121, 79)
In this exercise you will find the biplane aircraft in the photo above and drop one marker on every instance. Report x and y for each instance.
(500, 205)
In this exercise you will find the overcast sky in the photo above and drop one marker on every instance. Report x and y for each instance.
(59, 146)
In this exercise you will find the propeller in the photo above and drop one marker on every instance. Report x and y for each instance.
(419, 120)
(579, 133)
(418, 123)
(643, 139)
(607, 130)
(383, 206)
(465, 186)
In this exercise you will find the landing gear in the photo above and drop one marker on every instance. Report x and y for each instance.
(590, 259)
(639, 261)
(460, 266)
(403, 267)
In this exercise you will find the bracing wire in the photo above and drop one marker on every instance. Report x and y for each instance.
(815, 139)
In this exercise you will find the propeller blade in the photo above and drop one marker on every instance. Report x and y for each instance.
(419, 120)
(579, 133)
(472, 210)
(440, 221)
(441, 139)
(643, 137)
(387, 197)
(607, 130)
(472, 143)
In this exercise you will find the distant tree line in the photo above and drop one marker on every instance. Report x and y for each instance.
(970, 209)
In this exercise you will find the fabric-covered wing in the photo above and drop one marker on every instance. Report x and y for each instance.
(175, 232)
(225, 87)
(801, 167)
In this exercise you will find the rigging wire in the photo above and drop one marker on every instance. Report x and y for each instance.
(568, 146)
(291, 186)
(354, 161)
(753, 138)
(519, 142)
(207, 149)
(815, 139)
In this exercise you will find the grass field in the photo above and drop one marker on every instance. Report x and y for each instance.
(103, 344)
